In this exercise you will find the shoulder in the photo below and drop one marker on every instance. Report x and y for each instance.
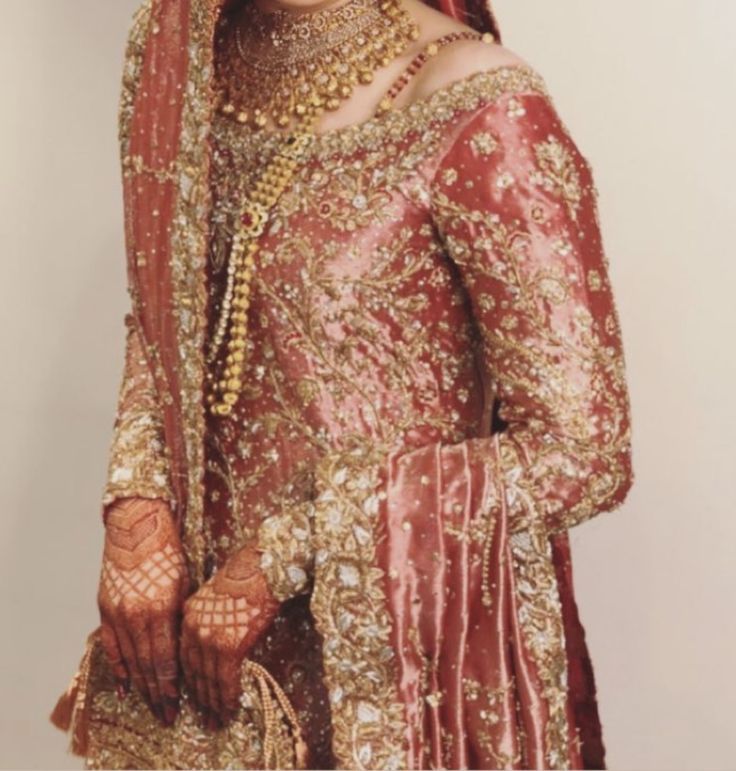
(486, 86)
(492, 85)
(459, 61)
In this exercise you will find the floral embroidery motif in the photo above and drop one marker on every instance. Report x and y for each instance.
(285, 540)
(349, 604)
(558, 173)
(484, 143)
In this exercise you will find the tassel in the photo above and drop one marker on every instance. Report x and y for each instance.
(72, 711)
(266, 685)
(72, 708)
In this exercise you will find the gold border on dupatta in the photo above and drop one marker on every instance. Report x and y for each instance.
(189, 239)
(537, 600)
(350, 609)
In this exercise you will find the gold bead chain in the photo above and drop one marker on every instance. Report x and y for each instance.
(266, 684)
(254, 213)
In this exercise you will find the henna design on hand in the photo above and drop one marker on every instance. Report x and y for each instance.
(143, 583)
(221, 623)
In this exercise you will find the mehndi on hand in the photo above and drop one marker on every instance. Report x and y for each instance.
(143, 584)
(222, 621)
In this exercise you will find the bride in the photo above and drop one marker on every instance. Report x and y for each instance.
(373, 376)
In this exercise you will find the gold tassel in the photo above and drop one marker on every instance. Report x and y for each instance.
(72, 708)
(269, 688)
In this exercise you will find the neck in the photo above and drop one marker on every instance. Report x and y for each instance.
(286, 66)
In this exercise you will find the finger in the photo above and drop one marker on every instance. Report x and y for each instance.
(209, 654)
(131, 660)
(142, 641)
(200, 682)
(165, 665)
(228, 676)
(165, 661)
(113, 653)
(187, 663)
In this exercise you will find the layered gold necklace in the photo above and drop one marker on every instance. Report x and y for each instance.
(286, 68)
(283, 61)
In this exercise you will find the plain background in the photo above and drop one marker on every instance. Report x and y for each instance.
(647, 89)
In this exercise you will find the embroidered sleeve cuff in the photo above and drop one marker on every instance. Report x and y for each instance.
(285, 542)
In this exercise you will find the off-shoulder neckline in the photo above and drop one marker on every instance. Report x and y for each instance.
(472, 90)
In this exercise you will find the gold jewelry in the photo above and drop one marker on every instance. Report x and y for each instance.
(290, 59)
(307, 62)
(241, 263)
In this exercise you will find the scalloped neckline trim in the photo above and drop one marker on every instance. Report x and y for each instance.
(482, 87)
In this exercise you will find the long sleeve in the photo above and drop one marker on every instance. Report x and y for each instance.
(138, 465)
(516, 206)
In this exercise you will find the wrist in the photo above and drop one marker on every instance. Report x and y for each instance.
(123, 510)
(139, 526)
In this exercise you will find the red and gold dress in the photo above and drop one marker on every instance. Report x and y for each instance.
(435, 393)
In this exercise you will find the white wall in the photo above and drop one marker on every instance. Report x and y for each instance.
(647, 90)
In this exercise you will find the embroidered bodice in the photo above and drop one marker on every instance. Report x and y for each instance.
(369, 319)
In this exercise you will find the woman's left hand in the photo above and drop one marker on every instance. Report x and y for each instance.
(222, 621)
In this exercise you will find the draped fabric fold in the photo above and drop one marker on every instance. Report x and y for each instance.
(416, 568)
(486, 604)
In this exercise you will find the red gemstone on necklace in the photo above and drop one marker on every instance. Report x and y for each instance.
(247, 219)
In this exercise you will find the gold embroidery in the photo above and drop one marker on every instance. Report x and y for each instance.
(383, 133)
(484, 143)
(138, 463)
(558, 173)
(189, 246)
(364, 336)
(488, 702)
(285, 539)
(540, 616)
(131, 73)
(137, 736)
(349, 605)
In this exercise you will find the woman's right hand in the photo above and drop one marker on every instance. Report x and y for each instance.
(143, 584)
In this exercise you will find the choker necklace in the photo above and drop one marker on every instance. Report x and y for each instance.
(275, 65)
